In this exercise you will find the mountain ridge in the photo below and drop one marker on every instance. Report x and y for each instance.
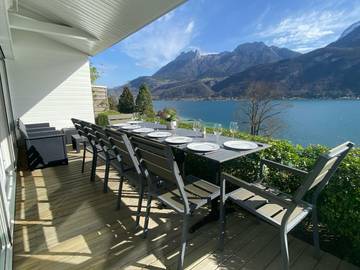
(328, 72)
(331, 71)
(205, 70)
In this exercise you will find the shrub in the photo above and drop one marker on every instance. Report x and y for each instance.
(102, 119)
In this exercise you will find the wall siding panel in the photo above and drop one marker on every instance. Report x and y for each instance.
(49, 81)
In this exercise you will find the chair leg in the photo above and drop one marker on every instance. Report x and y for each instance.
(284, 250)
(148, 207)
(93, 166)
(84, 157)
(141, 196)
(120, 192)
(106, 177)
(222, 220)
(183, 242)
(316, 232)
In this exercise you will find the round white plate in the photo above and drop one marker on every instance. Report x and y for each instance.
(130, 127)
(178, 139)
(120, 125)
(240, 145)
(143, 130)
(159, 134)
(203, 146)
(134, 122)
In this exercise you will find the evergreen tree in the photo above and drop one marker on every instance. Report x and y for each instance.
(144, 101)
(126, 101)
(113, 103)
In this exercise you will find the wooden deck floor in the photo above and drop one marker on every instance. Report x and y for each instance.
(63, 221)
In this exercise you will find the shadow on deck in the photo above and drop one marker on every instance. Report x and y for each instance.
(64, 221)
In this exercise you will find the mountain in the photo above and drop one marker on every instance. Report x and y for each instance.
(350, 29)
(328, 72)
(332, 71)
(192, 74)
(192, 65)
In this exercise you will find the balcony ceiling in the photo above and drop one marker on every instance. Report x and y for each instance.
(90, 26)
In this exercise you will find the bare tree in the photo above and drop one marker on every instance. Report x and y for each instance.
(260, 111)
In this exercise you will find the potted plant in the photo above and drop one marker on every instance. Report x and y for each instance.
(169, 115)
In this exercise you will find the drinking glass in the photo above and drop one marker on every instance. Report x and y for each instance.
(196, 127)
(135, 116)
(157, 122)
(233, 128)
(217, 131)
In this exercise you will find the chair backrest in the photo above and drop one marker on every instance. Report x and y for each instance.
(157, 159)
(78, 127)
(89, 133)
(123, 149)
(76, 122)
(101, 136)
(323, 170)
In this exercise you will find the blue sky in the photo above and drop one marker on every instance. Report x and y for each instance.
(220, 25)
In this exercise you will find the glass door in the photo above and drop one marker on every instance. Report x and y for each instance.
(5, 232)
(7, 170)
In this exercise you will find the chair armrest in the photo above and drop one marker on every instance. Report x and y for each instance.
(258, 191)
(283, 167)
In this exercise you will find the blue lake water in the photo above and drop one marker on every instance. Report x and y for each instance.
(327, 122)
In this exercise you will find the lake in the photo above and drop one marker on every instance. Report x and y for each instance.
(327, 122)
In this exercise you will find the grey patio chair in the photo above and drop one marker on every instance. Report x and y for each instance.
(103, 141)
(82, 133)
(129, 166)
(94, 144)
(279, 209)
(166, 184)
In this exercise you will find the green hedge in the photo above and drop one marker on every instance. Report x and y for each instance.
(102, 120)
(339, 203)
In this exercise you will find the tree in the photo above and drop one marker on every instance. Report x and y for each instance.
(113, 103)
(260, 111)
(94, 73)
(144, 101)
(126, 101)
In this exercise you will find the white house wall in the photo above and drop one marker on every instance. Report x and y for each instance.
(49, 81)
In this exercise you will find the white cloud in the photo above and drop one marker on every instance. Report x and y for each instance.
(159, 42)
(308, 30)
(189, 27)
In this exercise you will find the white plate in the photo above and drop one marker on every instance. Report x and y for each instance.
(159, 134)
(120, 125)
(178, 139)
(134, 122)
(203, 146)
(240, 145)
(130, 127)
(143, 130)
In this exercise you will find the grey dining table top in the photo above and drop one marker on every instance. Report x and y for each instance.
(220, 156)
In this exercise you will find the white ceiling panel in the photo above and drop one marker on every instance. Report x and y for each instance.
(109, 21)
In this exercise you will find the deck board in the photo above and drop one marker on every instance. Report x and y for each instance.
(64, 221)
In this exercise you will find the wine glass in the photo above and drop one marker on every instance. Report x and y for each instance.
(135, 116)
(157, 122)
(217, 131)
(233, 128)
(196, 126)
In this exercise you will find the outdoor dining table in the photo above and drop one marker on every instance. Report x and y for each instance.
(217, 158)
